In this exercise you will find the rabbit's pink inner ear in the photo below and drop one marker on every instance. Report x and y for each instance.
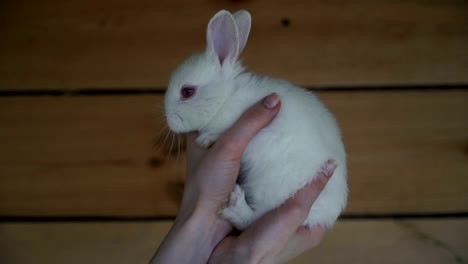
(243, 22)
(222, 36)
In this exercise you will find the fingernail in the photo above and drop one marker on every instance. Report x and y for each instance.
(271, 101)
(329, 167)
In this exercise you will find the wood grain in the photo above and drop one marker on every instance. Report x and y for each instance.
(48, 44)
(387, 241)
(94, 155)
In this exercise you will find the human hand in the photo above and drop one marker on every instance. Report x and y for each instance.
(211, 175)
(278, 236)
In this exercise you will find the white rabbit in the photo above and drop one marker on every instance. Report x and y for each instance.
(210, 91)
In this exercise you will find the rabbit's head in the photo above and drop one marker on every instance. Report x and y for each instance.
(199, 86)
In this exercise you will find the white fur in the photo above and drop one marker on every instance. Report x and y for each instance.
(282, 157)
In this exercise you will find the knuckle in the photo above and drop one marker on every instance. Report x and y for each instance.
(312, 238)
(319, 182)
(297, 209)
(247, 253)
(225, 141)
(255, 116)
(228, 147)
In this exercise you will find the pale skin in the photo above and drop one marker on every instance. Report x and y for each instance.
(201, 235)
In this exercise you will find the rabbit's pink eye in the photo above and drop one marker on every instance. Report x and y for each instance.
(187, 92)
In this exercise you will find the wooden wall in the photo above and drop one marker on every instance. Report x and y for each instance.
(82, 83)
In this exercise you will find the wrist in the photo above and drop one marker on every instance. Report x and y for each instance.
(202, 218)
(204, 223)
(198, 210)
(209, 231)
(192, 238)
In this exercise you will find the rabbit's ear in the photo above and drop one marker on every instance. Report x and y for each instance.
(222, 37)
(243, 22)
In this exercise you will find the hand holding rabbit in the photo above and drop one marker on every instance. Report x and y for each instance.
(201, 235)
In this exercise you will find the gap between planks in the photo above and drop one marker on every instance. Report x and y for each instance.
(161, 90)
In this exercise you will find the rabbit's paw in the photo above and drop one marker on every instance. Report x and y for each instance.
(238, 212)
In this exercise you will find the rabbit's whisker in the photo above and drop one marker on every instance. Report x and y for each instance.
(172, 144)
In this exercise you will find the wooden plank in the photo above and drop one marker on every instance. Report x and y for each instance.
(386, 241)
(50, 44)
(72, 156)
(83, 155)
(93, 155)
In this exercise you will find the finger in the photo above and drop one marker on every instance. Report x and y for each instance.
(297, 207)
(194, 151)
(233, 142)
(303, 240)
(271, 232)
(192, 146)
